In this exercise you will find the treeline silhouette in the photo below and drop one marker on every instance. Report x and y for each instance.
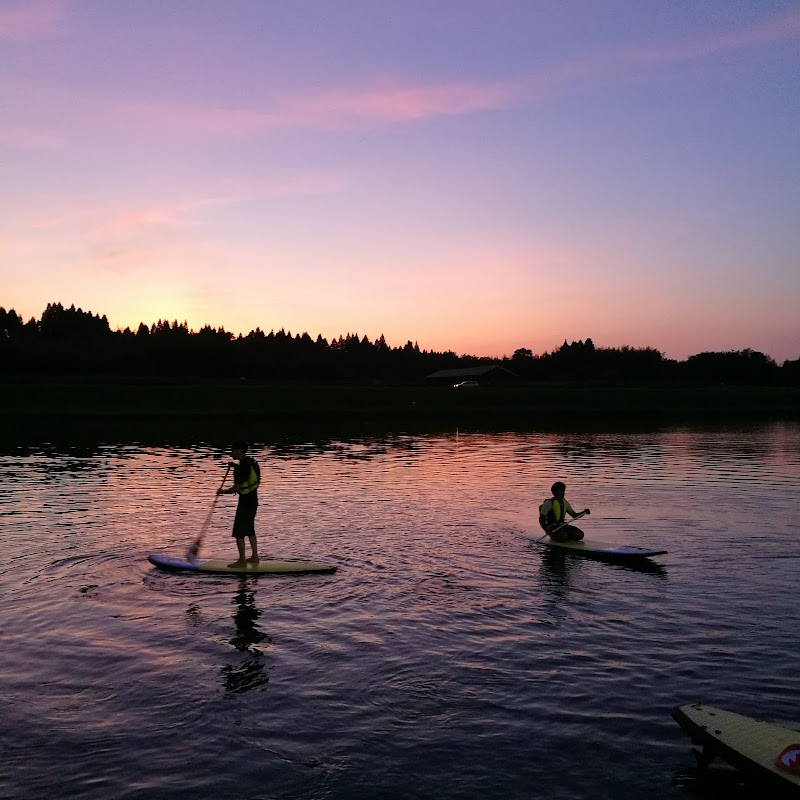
(70, 341)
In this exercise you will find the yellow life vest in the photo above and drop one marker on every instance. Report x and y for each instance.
(253, 480)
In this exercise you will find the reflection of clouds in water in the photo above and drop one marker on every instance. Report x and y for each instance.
(251, 671)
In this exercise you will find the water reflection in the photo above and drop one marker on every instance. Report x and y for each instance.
(556, 579)
(558, 568)
(360, 448)
(712, 783)
(458, 627)
(560, 573)
(250, 672)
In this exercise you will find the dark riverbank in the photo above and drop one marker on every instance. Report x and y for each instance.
(65, 408)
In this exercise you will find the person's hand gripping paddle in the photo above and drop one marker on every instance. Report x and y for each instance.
(191, 553)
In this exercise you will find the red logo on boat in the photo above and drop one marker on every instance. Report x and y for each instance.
(789, 758)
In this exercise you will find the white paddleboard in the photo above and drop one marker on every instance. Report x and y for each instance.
(766, 752)
(602, 551)
(219, 566)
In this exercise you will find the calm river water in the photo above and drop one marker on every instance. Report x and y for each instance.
(449, 656)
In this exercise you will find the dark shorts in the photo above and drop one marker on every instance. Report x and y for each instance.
(244, 523)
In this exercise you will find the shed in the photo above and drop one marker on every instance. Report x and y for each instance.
(486, 375)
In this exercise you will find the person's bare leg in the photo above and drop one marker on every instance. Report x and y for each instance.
(242, 560)
(254, 547)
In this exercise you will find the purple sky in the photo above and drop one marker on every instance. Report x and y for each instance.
(474, 176)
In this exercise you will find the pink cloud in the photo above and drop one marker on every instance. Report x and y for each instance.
(335, 110)
(415, 102)
(784, 28)
(350, 109)
(128, 228)
(563, 77)
(30, 139)
(375, 106)
(183, 213)
(199, 120)
(31, 19)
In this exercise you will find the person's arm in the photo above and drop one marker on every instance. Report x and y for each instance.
(571, 511)
(235, 487)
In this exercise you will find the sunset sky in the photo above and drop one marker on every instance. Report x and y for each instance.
(472, 175)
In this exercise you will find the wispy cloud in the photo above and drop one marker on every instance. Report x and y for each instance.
(409, 103)
(30, 139)
(30, 19)
(400, 103)
(129, 236)
(186, 212)
(389, 102)
(339, 110)
(569, 75)
(783, 28)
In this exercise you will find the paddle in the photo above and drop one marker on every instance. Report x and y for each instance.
(191, 553)
(564, 524)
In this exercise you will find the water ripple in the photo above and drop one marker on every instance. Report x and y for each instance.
(449, 656)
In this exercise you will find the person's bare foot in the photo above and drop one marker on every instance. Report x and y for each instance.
(238, 563)
(253, 560)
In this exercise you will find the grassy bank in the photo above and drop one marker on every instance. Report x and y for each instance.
(129, 404)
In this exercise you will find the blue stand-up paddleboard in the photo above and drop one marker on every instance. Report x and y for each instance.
(768, 754)
(603, 551)
(219, 566)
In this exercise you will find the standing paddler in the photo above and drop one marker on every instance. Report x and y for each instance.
(246, 478)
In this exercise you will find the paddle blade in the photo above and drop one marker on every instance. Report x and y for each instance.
(191, 553)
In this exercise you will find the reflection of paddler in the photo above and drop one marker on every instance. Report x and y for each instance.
(245, 617)
(250, 671)
(553, 513)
